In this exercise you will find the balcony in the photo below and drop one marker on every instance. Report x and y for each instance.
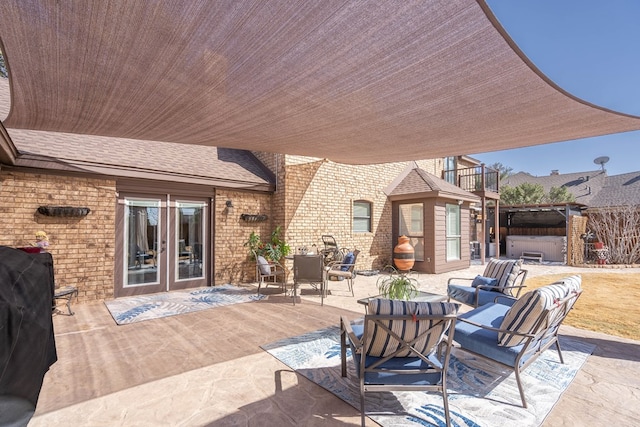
(480, 180)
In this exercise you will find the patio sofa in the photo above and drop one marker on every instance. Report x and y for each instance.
(500, 277)
(514, 334)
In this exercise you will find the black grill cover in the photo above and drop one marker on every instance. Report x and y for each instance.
(27, 345)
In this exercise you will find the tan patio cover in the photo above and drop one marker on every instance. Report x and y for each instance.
(352, 81)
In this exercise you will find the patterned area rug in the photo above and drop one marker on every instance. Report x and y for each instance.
(480, 393)
(147, 307)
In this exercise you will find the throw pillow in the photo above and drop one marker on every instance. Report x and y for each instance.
(382, 344)
(349, 258)
(485, 281)
(265, 268)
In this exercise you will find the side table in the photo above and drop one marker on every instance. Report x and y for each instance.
(66, 293)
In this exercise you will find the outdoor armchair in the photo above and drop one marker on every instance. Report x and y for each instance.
(500, 277)
(514, 336)
(400, 352)
(269, 272)
(344, 268)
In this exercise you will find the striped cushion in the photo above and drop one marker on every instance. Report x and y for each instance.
(505, 271)
(382, 344)
(573, 283)
(525, 312)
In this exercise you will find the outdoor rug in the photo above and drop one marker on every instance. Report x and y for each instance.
(480, 393)
(147, 307)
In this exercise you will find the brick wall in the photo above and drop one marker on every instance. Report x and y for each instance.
(82, 248)
(318, 200)
(232, 263)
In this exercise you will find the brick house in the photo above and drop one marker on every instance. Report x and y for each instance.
(159, 218)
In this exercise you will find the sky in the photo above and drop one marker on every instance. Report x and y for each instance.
(590, 48)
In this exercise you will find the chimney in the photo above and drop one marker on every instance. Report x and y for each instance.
(555, 172)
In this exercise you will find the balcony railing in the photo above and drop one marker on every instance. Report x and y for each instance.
(478, 178)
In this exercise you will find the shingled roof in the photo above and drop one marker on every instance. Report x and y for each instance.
(415, 182)
(591, 188)
(120, 157)
(583, 185)
(619, 190)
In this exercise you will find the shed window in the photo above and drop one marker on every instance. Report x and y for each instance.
(454, 235)
(411, 220)
(361, 216)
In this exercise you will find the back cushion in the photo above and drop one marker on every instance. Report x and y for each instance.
(348, 259)
(573, 283)
(265, 268)
(525, 312)
(505, 271)
(382, 344)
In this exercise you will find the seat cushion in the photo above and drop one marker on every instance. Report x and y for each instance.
(382, 344)
(505, 271)
(265, 268)
(483, 341)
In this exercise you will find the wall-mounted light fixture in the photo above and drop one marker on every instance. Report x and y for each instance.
(460, 202)
(229, 204)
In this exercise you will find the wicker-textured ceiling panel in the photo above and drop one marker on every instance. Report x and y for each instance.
(355, 82)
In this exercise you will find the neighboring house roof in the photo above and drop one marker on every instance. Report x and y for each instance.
(419, 183)
(583, 185)
(194, 164)
(592, 188)
(619, 190)
(356, 82)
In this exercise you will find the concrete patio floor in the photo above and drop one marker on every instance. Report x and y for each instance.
(207, 368)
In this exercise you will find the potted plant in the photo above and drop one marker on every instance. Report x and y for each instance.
(274, 250)
(397, 285)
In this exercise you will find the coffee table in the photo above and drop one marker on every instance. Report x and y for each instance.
(421, 296)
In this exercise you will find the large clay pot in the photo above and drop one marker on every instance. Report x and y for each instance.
(403, 254)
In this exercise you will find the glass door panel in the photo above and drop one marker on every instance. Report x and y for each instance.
(142, 242)
(189, 223)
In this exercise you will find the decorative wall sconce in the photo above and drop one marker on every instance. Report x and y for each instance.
(64, 211)
(253, 218)
(229, 204)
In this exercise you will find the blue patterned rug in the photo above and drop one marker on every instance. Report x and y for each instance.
(147, 307)
(480, 393)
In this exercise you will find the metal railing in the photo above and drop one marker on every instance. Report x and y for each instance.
(478, 178)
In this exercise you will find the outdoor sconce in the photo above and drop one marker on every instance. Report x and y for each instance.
(460, 202)
(229, 204)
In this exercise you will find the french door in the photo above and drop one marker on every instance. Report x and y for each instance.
(162, 244)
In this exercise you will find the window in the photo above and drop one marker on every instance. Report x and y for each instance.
(450, 170)
(453, 232)
(411, 220)
(361, 216)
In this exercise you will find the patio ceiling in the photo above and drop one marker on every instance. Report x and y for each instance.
(355, 82)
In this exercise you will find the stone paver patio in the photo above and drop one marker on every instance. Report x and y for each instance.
(207, 369)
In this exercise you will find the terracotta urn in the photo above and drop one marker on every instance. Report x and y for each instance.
(403, 254)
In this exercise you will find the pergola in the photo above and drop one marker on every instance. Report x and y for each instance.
(355, 82)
